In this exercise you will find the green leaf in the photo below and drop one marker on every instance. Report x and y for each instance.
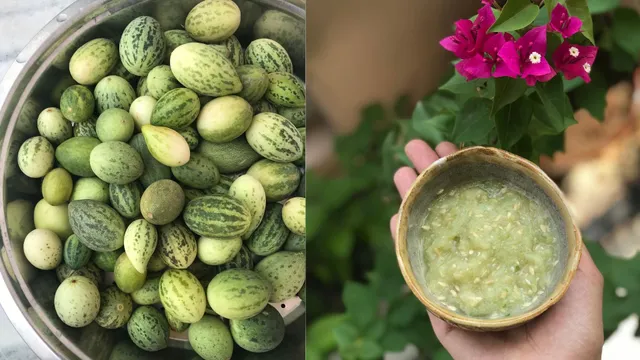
(524, 148)
(516, 15)
(602, 6)
(376, 330)
(370, 350)
(512, 121)
(457, 84)
(548, 144)
(572, 84)
(345, 333)
(556, 109)
(580, 9)
(394, 341)
(541, 19)
(434, 130)
(474, 121)
(621, 60)
(550, 5)
(625, 30)
(508, 90)
(320, 332)
(361, 303)
(592, 96)
(403, 311)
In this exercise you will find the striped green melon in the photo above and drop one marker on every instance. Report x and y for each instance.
(93, 61)
(161, 80)
(90, 189)
(148, 294)
(297, 115)
(75, 253)
(126, 199)
(166, 145)
(115, 125)
(191, 194)
(274, 137)
(106, 260)
(53, 126)
(140, 241)
(287, 30)
(204, 70)
(224, 119)
(162, 202)
(175, 324)
(35, 157)
(54, 218)
(148, 329)
(191, 136)
(182, 295)
(77, 301)
(116, 162)
(217, 216)
(141, 109)
(222, 49)
(142, 45)
(238, 294)
(114, 92)
(121, 71)
(85, 128)
(210, 338)
(198, 173)
(263, 106)
(286, 271)
(213, 20)
(231, 157)
(77, 103)
(250, 191)
(141, 88)
(57, 186)
(218, 251)
(271, 234)
(236, 52)
(269, 55)
(285, 90)
(26, 123)
(242, 260)
(125, 275)
(177, 244)
(295, 242)
(63, 82)
(254, 82)
(90, 272)
(294, 215)
(115, 308)
(153, 169)
(261, 333)
(173, 39)
(97, 225)
(176, 109)
(75, 154)
(279, 180)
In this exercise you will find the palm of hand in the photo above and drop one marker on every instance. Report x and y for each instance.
(571, 329)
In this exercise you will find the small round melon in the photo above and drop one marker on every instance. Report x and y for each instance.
(57, 186)
(114, 125)
(293, 215)
(162, 202)
(228, 294)
(90, 189)
(141, 109)
(77, 103)
(54, 218)
(161, 80)
(148, 329)
(115, 308)
(35, 157)
(43, 249)
(211, 339)
(218, 251)
(77, 301)
(224, 119)
(53, 126)
(261, 333)
(127, 278)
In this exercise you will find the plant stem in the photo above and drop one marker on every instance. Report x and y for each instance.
(496, 5)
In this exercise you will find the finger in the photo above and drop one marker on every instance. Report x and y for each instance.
(394, 226)
(420, 154)
(445, 148)
(403, 178)
(461, 343)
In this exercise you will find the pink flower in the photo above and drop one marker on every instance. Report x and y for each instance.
(526, 56)
(481, 65)
(575, 60)
(563, 23)
(469, 36)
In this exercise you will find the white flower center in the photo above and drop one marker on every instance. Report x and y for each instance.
(535, 58)
(573, 51)
(587, 67)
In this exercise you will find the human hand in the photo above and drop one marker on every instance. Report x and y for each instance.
(571, 329)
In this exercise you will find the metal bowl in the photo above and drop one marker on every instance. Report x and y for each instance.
(27, 294)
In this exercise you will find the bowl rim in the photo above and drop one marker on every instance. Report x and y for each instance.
(464, 321)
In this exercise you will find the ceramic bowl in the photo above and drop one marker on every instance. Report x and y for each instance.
(475, 164)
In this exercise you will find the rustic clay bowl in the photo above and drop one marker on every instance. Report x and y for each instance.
(471, 164)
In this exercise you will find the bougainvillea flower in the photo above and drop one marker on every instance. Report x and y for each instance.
(527, 56)
(563, 23)
(504, 63)
(469, 37)
(575, 60)
(482, 66)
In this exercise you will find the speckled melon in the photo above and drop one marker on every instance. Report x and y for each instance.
(238, 294)
(279, 180)
(255, 82)
(148, 294)
(230, 157)
(35, 157)
(116, 162)
(213, 20)
(127, 278)
(162, 202)
(261, 333)
(77, 103)
(43, 249)
(97, 225)
(236, 52)
(210, 338)
(182, 295)
(294, 215)
(86, 128)
(115, 308)
(243, 260)
(90, 189)
(274, 137)
(177, 244)
(75, 253)
(93, 61)
(161, 80)
(54, 218)
(148, 329)
(126, 199)
(224, 119)
(53, 126)
(285, 90)
(166, 145)
(251, 192)
(270, 234)
(141, 109)
(285, 271)
(114, 92)
(153, 169)
(198, 173)
(296, 115)
(191, 136)
(77, 301)
(114, 125)
(173, 39)
(140, 241)
(218, 251)
(106, 260)
(142, 45)
(176, 109)
(269, 55)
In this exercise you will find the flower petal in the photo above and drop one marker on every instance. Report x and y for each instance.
(559, 15)
(509, 57)
(493, 44)
(572, 26)
(540, 69)
(474, 68)
(534, 40)
(485, 18)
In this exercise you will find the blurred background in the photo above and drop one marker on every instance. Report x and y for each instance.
(368, 64)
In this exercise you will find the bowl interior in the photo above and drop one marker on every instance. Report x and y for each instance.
(477, 164)
(27, 89)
